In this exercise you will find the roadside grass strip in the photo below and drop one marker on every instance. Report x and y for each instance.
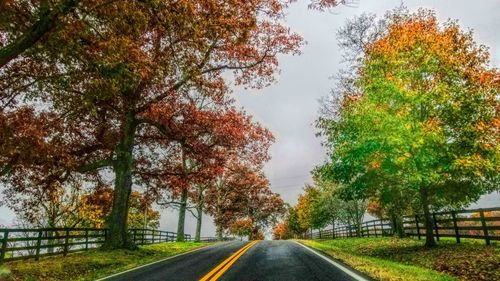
(149, 264)
(343, 268)
(217, 272)
(94, 264)
(395, 259)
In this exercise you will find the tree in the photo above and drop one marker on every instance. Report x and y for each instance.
(96, 207)
(232, 134)
(242, 193)
(57, 206)
(242, 227)
(146, 58)
(23, 26)
(200, 203)
(425, 120)
(292, 222)
(353, 213)
(74, 206)
(110, 63)
(259, 235)
(304, 208)
(280, 231)
(328, 207)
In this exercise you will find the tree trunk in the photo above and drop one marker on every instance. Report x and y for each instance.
(254, 234)
(429, 231)
(358, 219)
(333, 228)
(199, 211)
(118, 236)
(219, 233)
(397, 224)
(182, 216)
(51, 224)
(197, 237)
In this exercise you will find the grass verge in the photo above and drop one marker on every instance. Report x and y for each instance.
(92, 264)
(406, 259)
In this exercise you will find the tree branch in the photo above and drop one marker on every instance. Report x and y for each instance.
(92, 166)
(46, 22)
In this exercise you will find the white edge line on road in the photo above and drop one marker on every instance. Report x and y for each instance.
(151, 263)
(338, 265)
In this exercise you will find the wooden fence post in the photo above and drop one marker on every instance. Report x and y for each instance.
(375, 229)
(66, 241)
(418, 227)
(38, 244)
(485, 229)
(435, 225)
(4, 245)
(86, 239)
(381, 228)
(455, 226)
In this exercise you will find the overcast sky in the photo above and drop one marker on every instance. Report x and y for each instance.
(290, 106)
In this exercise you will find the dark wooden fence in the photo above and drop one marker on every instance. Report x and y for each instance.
(152, 236)
(19, 243)
(475, 224)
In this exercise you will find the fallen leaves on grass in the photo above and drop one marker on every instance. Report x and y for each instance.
(407, 259)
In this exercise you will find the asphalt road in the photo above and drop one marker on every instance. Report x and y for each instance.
(241, 261)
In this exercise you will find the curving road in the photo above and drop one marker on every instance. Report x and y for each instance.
(243, 261)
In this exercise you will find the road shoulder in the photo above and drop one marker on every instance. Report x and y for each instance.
(384, 258)
(352, 272)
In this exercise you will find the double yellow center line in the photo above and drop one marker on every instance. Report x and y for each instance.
(226, 264)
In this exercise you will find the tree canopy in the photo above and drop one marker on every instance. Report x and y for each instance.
(422, 130)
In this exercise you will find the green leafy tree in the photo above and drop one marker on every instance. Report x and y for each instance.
(426, 124)
(304, 207)
(292, 222)
(327, 208)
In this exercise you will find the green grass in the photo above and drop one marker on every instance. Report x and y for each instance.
(407, 259)
(92, 264)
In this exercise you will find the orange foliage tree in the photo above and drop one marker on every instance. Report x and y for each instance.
(280, 231)
(242, 193)
(241, 227)
(135, 68)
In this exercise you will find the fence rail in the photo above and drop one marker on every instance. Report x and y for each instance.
(474, 223)
(24, 243)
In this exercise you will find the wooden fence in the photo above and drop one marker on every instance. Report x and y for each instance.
(475, 224)
(19, 243)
